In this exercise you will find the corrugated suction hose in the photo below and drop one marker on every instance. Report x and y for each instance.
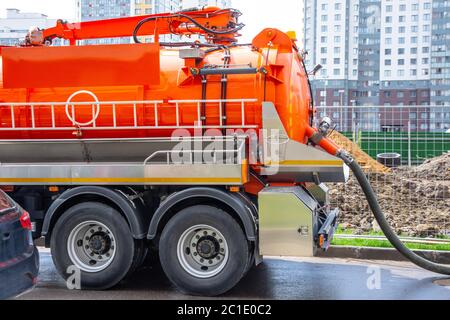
(383, 223)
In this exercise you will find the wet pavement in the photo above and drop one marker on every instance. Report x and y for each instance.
(276, 278)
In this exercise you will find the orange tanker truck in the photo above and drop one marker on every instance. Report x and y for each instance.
(204, 152)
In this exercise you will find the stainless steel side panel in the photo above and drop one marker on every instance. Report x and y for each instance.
(287, 219)
(121, 174)
(289, 160)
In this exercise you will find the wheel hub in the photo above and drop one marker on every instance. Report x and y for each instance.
(202, 251)
(208, 247)
(99, 243)
(91, 246)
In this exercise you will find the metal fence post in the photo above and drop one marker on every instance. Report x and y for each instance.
(409, 143)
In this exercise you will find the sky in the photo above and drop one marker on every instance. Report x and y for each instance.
(258, 14)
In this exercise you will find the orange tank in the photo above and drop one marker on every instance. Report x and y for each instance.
(128, 80)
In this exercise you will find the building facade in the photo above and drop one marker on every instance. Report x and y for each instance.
(440, 53)
(375, 51)
(379, 52)
(15, 26)
(89, 10)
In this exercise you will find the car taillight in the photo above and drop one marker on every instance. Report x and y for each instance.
(25, 221)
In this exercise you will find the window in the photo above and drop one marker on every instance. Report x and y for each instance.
(324, 17)
(401, 62)
(337, 6)
(323, 50)
(414, 18)
(401, 18)
(388, 20)
(389, 8)
(323, 61)
(413, 50)
(388, 41)
(413, 39)
(337, 50)
(337, 39)
(414, 29)
(337, 61)
(337, 28)
(387, 52)
(400, 94)
(401, 29)
(388, 30)
(401, 73)
(425, 60)
(402, 7)
(425, 49)
(412, 115)
(323, 39)
(427, 5)
(337, 72)
(401, 51)
(387, 62)
(401, 40)
(387, 73)
(413, 61)
(324, 28)
(324, 6)
(415, 7)
(413, 72)
(337, 17)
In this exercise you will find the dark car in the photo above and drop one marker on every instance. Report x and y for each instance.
(19, 258)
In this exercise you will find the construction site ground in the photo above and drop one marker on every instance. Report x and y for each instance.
(416, 200)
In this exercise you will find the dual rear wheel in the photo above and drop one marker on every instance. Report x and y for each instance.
(203, 249)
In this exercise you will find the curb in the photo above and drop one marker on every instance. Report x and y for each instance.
(366, 253)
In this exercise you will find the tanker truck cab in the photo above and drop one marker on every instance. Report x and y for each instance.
(199, 153)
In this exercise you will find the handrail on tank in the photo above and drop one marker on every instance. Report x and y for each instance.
(92, 124)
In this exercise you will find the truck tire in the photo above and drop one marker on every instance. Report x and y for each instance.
(95, 239)
(203, 251)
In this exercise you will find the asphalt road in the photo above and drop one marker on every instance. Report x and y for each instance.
(276, 278)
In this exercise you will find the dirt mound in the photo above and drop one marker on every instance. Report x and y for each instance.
(436, 168)
(416, 201)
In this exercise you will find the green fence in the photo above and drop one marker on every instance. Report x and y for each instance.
(418, 145)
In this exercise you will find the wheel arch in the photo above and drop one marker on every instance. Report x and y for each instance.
(131, 210)
(236, 204)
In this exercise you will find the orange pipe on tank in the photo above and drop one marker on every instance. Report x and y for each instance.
(325, 143)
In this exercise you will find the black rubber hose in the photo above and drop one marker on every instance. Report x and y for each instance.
(384, 224)
(192, 20)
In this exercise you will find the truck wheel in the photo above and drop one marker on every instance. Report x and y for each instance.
(203, 251)
(95, 239)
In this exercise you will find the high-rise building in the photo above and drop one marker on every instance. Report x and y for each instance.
(440, 53)
(89, 10)
(376, 52)
(15, 26)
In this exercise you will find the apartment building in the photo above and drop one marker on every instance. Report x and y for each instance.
(380, 52)
(15, 26)
(440, 53)
(372, 51)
